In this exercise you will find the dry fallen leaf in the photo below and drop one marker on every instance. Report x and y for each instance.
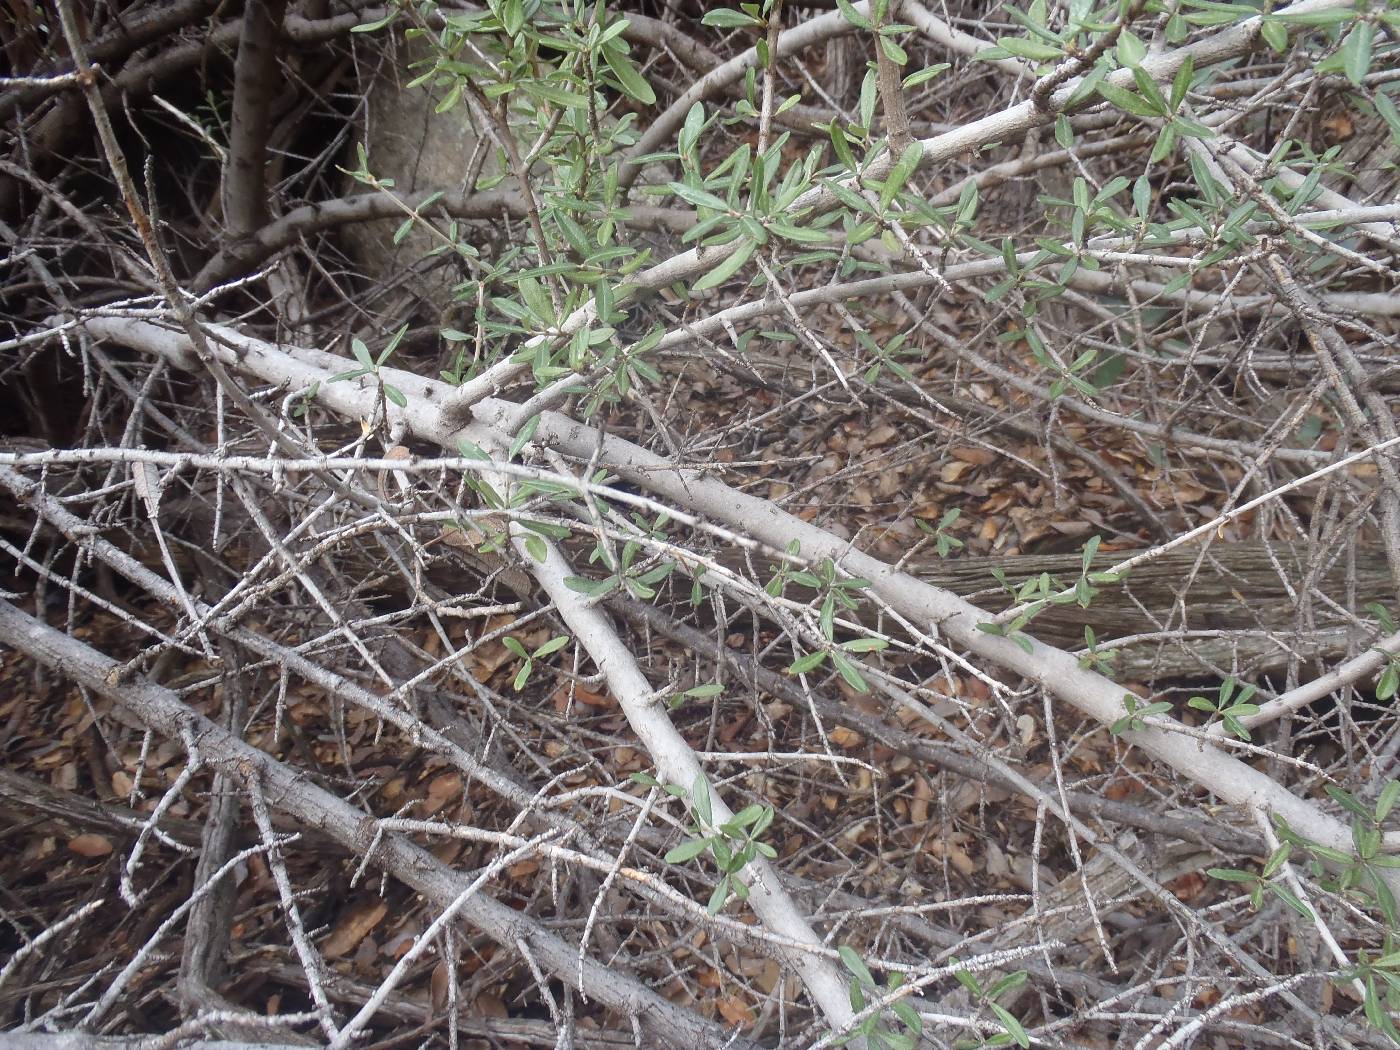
(90, 846)
(843, 737)
(353, 927)
(735, 1010)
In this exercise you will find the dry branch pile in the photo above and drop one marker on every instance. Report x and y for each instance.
(550, 525)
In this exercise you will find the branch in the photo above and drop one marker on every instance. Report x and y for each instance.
(162, 710)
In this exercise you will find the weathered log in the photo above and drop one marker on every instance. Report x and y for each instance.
(1254, 593)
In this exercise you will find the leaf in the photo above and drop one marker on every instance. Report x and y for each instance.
(852, 15)
(1131, 50)
(1348, 802)
(856, 965)
(748, 815)
(724, 18)
(924, 75)
(1126, 100)
(370, 27)
(633, 83)
(899, 174)
(1389, 794)
(865, 645)
(524, 435)
(361, 352)
(1231, 875)
(592, 588)
(1356, 51)
(803, 664)
(552, 646)
(1181, 83)
(720, 895)
(969, 982)
(849, 672)
(841, 148)
(1288, 897)
(893, 51)
(700, 198)
(727, 268)
(700, 799)
(1032, 49)
(909, 1016)
(1012, 1026)
(688, 850)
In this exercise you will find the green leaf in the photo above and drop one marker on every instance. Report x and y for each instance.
(893, 51)
(852, 15)
(370, 27)
(849, 672)
(537, 549)
(865, 645)
(1275, 34)
(1032, 49)
(899, 174)
(552, 646)
(1181, 83)
(361, 352)
(1356, 51)
(700, 198)
(1007, 983)
(633, 83)
(1131, 50)
(1231, 875)
(841, 147)
(1388, 797)
(687, 851)
(803, 664)
(1151, 92)
(969, 982)
(856, 965)
(909, 1016)
(1012, 1026)
(395, 395)
(700, 798)
(1288, 897)
(592, 588)
(727, 268)
(720, 895)
(1348, 802)
(924, 75)
(724, 18)
(1126, 100)
(1064, 133)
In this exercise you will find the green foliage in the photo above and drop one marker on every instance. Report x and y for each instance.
(1093, 659)
(944, 541)
(1043, 591)
(637, 578)
(1389, 679)
(1355, 876)
(874, 1029)
(527, 668)
(837, 594)
(986, 997)
(1137, 714)
(731, 845)
(370, 365)
(1229, 706)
